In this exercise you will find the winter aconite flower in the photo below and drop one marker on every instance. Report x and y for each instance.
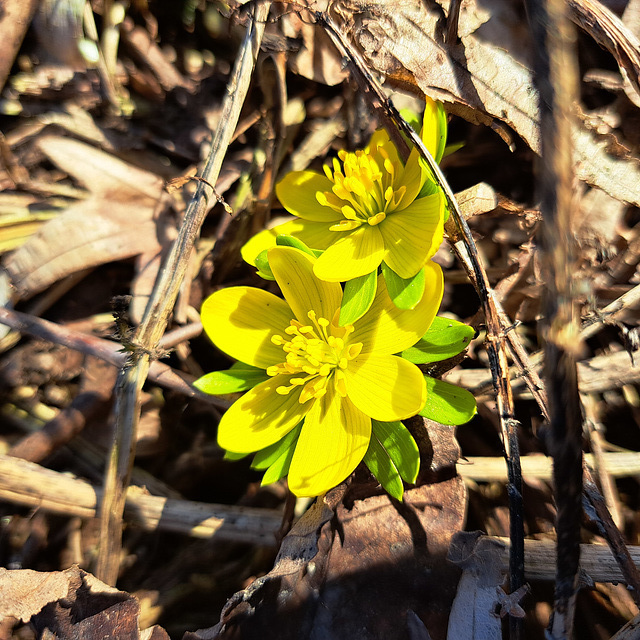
(332, 380)
(368, 208)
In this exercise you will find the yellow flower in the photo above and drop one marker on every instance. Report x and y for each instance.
(367, 208)
(334, 378)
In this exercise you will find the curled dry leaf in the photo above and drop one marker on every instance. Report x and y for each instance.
(119, 219)
(479, 596)
(71, 604)
(484, 76)
(317, 59)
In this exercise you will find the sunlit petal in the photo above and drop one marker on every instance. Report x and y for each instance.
(413, 235)
(262, 240)
(386, 388)
(384, 328)
(380, 138)
(304, 292)
(297, 193)
(333, 440)
(241, 320)
(355, 254)
(431, 131)
(315, 235)
(413, 177)
(261, 417)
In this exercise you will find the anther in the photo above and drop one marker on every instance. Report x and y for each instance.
(377, 219)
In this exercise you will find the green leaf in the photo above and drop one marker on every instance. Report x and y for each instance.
(381, 466)
(446, 338)
(405, 293)
(412, 119)
(239, 377)
(262, 264)
(448, 404)
(280, 466)
(398, 442)
(233, 456)
(283, 240)
(267, 456)
(453, 147)
(357, 298)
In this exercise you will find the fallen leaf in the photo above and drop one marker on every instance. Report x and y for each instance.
(119, 218)
(71, 604)
(484, 76)
(475, 611)
(23, 593)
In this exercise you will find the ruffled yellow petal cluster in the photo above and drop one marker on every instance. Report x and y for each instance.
(366, 209)
(337, 379)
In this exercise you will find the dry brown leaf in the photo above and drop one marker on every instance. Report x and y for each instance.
(317, 59)
(118, 220)
(483, 77)
(23, 593)
(71, 604)
(362, 566)
(610, 32)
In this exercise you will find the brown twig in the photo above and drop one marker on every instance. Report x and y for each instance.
(29, 484)
(109, 351)
(160, 305)
(93, 398)
(556, 78)
(601, 516)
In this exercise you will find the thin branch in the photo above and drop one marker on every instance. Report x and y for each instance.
(29, 484)
(163, 297)
(110, 351)
(556, 78)
(618, 464)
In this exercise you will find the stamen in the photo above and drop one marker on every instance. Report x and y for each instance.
(341, 386)
(315, 355)
(345, 225)
(283, 391)
(377, 219)
(354, 350)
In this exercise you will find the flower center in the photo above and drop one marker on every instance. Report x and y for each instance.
(364, 188)
(316, 354)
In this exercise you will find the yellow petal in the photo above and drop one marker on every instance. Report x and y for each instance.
(385, 328)
(413, 177)
(261, 417)
(293, 271)
(380, 138)
(262, 240)
(355, 254)
(241, 320)
(334, 438)
(297, 193)
(430, 132)
(386, 388)
(315, 235)
(413, 235)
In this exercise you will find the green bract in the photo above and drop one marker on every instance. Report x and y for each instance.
(448, 404)
(444, 339)
(239, 377)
